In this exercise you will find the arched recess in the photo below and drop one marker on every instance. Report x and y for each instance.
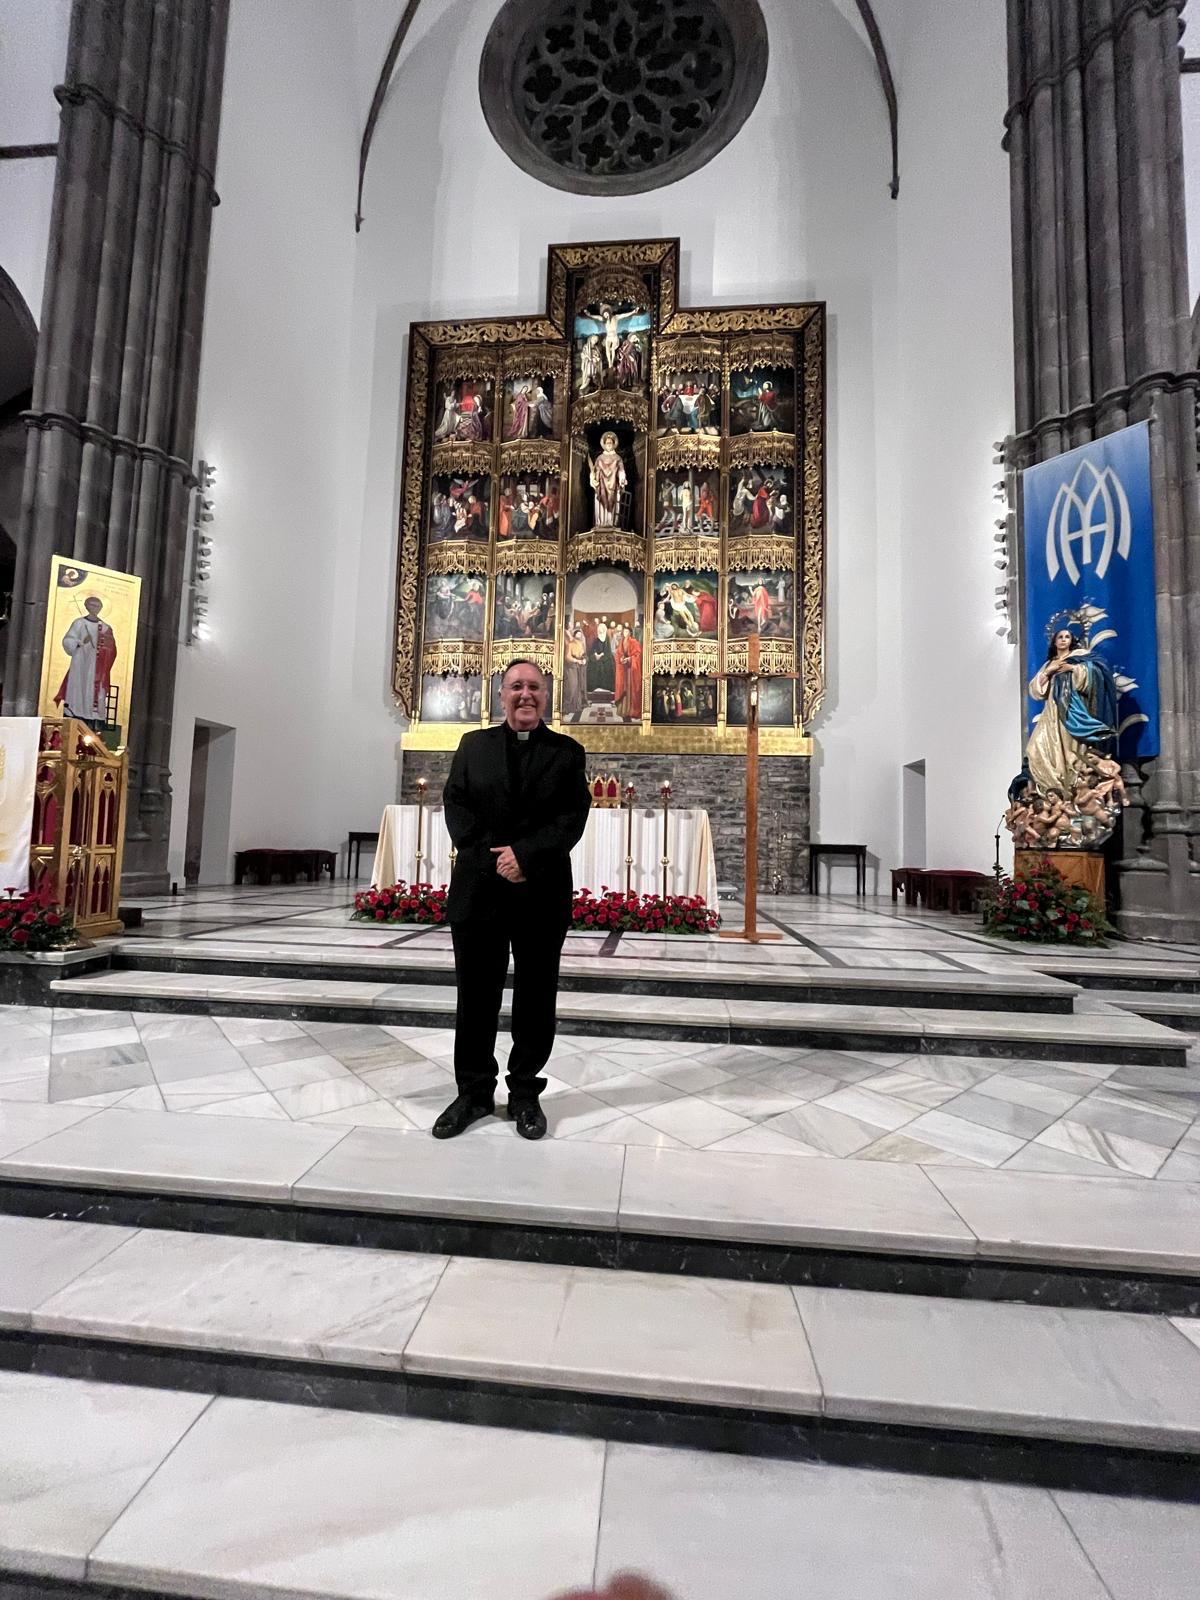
(18, 349)
(866, 13)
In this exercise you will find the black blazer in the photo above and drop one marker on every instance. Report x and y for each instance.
(542, 825)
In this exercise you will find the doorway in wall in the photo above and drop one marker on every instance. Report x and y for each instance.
(912, 811)
(210, 804)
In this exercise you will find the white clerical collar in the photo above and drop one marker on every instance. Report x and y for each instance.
(523, 734)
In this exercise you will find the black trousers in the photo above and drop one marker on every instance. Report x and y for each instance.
(481, 951)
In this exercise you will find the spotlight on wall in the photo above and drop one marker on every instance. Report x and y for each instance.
(200, 568)
(1005, 548)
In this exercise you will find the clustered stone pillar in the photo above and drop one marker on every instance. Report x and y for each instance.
(1102, 339)
(108, 468)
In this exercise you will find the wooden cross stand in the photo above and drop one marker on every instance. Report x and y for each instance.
(749, 932)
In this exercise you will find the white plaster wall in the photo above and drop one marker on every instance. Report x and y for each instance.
(33, 55)
(1190, 99)
(961, 701)
(796, 207)
(271, 412)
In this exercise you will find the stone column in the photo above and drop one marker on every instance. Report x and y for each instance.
(108, 468)
(1102, 338)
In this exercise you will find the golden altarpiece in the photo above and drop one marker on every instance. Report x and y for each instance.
(623, 490)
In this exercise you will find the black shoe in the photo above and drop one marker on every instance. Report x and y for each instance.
(459, 1115)
(529, 1118)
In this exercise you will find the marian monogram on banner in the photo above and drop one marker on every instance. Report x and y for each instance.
(1090, 603)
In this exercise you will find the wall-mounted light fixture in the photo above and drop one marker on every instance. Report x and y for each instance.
(200, 568)
(1005, 549)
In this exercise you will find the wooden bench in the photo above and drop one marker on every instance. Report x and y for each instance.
(262, 866)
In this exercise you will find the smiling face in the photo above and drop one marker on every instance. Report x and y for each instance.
(523, 696)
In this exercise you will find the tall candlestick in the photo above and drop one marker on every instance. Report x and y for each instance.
(630, 797)
(665, 792)
(420, 854)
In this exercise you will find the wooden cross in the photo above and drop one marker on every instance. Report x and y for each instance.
(749, 932)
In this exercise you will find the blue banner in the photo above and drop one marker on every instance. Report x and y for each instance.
(1088, 525)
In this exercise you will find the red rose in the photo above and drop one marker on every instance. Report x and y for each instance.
(20, 936)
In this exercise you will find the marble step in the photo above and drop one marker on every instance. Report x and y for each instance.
(169, 1493)
(1108, 1243)
(1131, 970)
(1179, 1011)
(1097, 1037)
(723, 977)
(1102, 1396)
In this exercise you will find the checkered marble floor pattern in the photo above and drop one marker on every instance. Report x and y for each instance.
(931, 1109)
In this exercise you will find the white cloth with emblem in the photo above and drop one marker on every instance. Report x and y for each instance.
(597, 861)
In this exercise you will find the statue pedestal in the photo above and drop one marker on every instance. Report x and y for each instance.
(1084, 867)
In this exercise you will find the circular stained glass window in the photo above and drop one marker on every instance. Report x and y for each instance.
(617, 96)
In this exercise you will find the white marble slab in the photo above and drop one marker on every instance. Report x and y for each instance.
(1104, 1376)
(307, 1302)
(608, 1332)
(788, 1200)
(719, 1527)
(573, 1184)
(22, 1125)
(165, 1152)
(39, 1256)
(1088, 1221)
(262, 1501)
(1142, 1549)
(72, 1456)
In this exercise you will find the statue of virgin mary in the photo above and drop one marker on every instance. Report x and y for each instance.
(1079, 714)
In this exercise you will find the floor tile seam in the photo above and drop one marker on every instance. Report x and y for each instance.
(302, 1177)
(145, 1484)
(928, 1174)
(114, 1249)
(10, 1155)
(1077, 1538)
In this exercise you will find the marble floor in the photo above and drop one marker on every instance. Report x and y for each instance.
(242, 1498)
(936, 1110)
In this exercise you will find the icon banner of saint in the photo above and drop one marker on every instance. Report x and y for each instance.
(89, 648)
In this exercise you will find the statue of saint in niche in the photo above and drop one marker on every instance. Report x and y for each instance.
(610, 485)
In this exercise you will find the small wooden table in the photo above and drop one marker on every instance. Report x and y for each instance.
(354, 847)
(857, 851)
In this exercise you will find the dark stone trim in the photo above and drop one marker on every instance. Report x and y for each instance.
(26, 152)
(817, 1037)
(377, 99)
(1093, 413)
(692, 1425)
(886, 83)
(743, 1261)
(815, 992)
(1106, 33)
(119, 444)
(79, 94)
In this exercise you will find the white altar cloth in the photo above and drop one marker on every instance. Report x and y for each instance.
(597, 861)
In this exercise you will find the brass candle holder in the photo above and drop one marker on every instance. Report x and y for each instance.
(664, 791)
(630, 797)
(422, 784)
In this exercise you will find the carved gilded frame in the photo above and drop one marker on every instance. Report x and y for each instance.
(492, 348)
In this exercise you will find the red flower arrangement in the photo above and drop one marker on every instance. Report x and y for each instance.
(1042, 907)
(615, 912)
(403, 902)
(29, 922)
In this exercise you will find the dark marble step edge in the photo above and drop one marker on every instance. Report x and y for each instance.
(1084, 979)
(1184, 1021)
(818, 991)
(989, 1278)
(817, 1036)
(1042, 1459)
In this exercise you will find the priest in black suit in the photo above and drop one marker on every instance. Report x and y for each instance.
(516, 802)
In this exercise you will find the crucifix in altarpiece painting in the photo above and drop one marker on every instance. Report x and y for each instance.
(749, 932)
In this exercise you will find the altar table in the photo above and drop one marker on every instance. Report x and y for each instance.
(597, 861)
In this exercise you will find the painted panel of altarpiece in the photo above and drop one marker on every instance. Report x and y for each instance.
(625, 491)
